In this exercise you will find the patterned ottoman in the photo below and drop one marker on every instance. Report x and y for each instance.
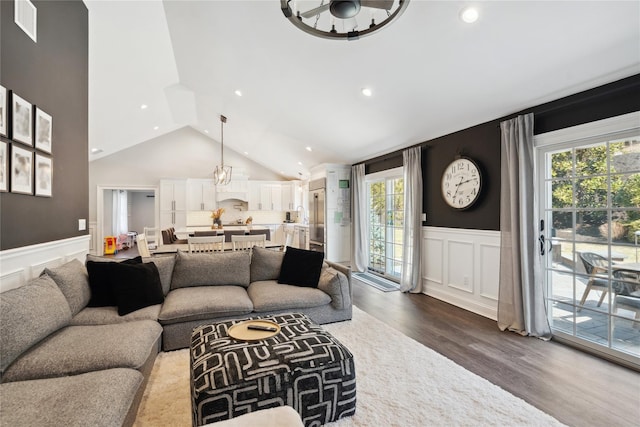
(303, 367)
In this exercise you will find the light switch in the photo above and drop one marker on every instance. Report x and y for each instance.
(82, 224)
(424, 216)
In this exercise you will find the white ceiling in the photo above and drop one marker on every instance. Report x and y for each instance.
(431, 74)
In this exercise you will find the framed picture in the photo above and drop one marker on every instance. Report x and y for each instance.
(43, 130)
(44, 175)
(22, 113)
(3, 111)
(21, 170)
(4, 166)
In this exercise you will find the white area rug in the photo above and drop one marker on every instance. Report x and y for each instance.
(400, 382)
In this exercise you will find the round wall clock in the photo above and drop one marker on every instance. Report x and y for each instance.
(461, 183)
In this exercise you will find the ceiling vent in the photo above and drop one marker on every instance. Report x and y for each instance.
(26, 17)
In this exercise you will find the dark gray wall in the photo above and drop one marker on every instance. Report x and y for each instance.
(482, 143)
(53, 75)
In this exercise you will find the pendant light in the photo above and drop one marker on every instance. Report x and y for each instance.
(222, 174)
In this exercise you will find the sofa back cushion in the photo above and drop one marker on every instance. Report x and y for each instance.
(226, 268)
(265, 264)
(29, 314)
(165, 264)
(73, 281)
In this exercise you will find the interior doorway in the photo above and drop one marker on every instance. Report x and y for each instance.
(124, 210)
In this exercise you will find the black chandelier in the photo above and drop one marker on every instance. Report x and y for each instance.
(345, 20)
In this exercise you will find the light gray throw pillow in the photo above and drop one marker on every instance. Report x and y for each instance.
(265, 264)
(218, 268)
(29, 314)
(73, 280)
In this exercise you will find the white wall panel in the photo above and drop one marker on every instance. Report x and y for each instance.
(432, 260)
(19, 265)
(461, 267)
(460, 264)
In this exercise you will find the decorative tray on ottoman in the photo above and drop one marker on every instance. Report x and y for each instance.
(243, 331)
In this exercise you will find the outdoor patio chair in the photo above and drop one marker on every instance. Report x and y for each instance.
(626, 285)
(597, 267)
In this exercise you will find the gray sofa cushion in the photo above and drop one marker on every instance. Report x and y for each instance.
(265, 264)
(336, 285)
(79, 349)
(204, 302)
(29, 314)
(100, 398)
(109, 315)
(270, 295)
(225, 268)
(73, 281)
(165, 264)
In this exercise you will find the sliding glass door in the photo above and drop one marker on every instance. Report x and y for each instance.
(386, 218)
(589, 187)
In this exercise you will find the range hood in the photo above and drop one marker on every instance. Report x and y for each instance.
(234, 195)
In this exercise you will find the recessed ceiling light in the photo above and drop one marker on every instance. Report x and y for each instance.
(300, 163)
(309, 149)
(238, 92)
(367, 91)
(206, 131)
(96, 150)
(156, 127)
(144, 106)
(469, 15)
(246, 153)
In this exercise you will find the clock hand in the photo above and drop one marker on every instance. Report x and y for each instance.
(457, 187)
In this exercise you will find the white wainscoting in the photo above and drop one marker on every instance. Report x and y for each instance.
(462, 267)
(19, 265)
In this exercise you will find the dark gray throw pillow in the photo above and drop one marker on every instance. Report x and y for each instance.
(100, 281)
(301, 267)
(136, 286)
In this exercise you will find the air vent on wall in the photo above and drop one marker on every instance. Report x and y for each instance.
(26, 17)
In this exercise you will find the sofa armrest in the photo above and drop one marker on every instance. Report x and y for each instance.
(336, 282)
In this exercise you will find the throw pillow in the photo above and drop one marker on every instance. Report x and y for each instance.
(136, 286)
(100, 281)
(301, 267)
(265, 264)
(73, 281)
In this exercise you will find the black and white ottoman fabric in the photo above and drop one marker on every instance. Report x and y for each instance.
(303, 367)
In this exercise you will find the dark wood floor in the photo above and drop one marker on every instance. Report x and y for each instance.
(574, 387)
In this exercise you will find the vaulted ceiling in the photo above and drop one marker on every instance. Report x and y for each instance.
(431, 74)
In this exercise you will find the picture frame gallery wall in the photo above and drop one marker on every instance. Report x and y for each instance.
(26, 163)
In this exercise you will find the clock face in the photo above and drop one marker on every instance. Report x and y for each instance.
(461, 183)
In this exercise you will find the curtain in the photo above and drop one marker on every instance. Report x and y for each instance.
(521, 303)
(120, 212)
(360, 251)
(411, 278)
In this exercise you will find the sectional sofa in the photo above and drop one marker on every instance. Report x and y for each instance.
(65, 361)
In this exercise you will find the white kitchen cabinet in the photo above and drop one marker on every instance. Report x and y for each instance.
(292, 192)
(201, 195)
(175, 219)
(265, 196)
(173, 203)
(173, 194)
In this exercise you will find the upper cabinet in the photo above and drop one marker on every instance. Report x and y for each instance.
(201, 195)
(173, 195)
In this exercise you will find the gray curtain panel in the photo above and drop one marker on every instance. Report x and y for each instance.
(411, 278)
(521, 302)
(360, 239)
